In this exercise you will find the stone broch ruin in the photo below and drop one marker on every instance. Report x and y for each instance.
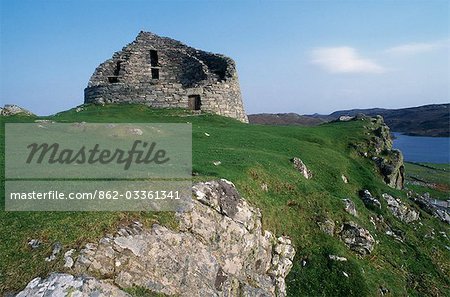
(164, 73)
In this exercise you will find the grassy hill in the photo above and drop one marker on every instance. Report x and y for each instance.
(250, 156)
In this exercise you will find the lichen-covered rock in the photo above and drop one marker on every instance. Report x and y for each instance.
(369, 200)
(301, 167)
(425, 204)
(378, 147)
(61, 284)
(392, 169)
(357, 238)
(326, 225)
(350, 207)
(12, 109)
(220, 249)
(400, 210)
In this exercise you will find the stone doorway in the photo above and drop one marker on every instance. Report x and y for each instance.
(194, 102)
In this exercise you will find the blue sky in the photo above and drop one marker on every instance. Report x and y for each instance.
(292, 56)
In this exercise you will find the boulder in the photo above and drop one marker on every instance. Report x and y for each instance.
(400, 210)
(357, 238)
(301, 167)
(327, 226)
(219, 249)
(12, 109)
(61, 284)
(369, 200)
(350, 207)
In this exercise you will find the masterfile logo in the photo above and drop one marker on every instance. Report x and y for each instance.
(97, 167)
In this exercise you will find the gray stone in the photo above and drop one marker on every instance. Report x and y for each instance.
(350, 207)
(164, 73)
(400, 210)
(369, 200)
(301, 167)
(337, 258)
(12, 109)
(57, 247)
(219, 249)
(357, 238)
(34, 243)
(327, 226)
(61, 285)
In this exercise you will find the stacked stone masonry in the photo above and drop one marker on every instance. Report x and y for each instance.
(164, 73)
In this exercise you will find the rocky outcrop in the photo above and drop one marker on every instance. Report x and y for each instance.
(12, 109)
(369, 200)
(220, 249)
(357, 238)
(61, 284)
(400, 210)
(301, 167)
(378, 147)
(426, 205)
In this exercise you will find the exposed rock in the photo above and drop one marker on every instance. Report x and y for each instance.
(61, 284)
(344, 179)
(301, 167)
(337, 258)
(219, 250)
(425, 204)
(392, 169)
(350, 207)
(379, 148)
(264, 187)
(12, 109)
(68, 260)
(327, 226)
(34, 243)
(400, 210)
(357, 238)
(345, 118)
(135, 131)
(369, 200)
(57, 247)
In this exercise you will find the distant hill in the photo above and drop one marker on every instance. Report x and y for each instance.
(426, 120)
(284, 119)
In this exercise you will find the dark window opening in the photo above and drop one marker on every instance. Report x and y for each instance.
(155, 73)
(116, 72)
(113, 79)
(117, 69)
(194, 102)
(153, 58)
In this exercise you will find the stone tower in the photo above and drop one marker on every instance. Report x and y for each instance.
(162, 72)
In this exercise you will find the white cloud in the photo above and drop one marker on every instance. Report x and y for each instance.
(344, 60)
(412, 48)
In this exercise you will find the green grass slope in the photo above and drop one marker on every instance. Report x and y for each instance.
(250, 156)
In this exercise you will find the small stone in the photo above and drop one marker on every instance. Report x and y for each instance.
(345, 273)
(344, 179)
(217, 163)
(264, 187)
(34, 243)
(337, 258)
(301, 167)
(135, 131)
(68, 260)
(57, 247)
(350, 207)
(207, 134)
